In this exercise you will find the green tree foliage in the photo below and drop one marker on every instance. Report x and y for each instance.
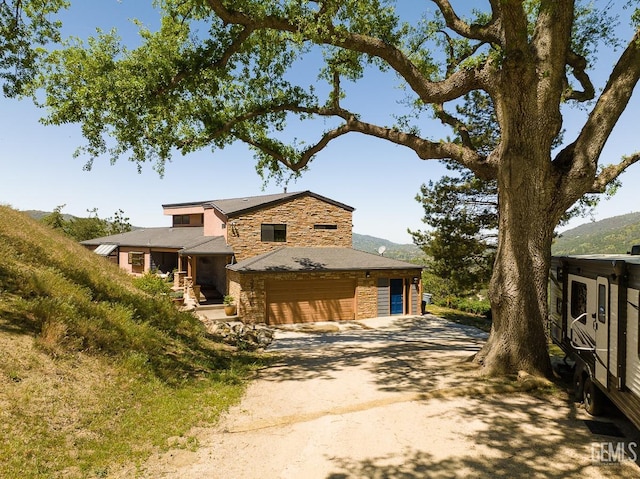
(462, 209)
(25, 27)
(461, 245)
(93, 226)
(220, 71)
(55, 219)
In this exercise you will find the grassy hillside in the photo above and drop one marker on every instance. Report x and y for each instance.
(611, 235)
(94, 374)
(404, 252)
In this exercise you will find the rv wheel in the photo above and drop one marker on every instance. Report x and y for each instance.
(592, 398)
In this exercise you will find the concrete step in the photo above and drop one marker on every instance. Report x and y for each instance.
(210, 307)
(215, 312)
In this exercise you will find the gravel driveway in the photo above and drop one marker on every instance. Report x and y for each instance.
(394, 398)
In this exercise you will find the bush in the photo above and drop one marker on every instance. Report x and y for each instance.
(468, 305)
(152, 283)
(438, 287)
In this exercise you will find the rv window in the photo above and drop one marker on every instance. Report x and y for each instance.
(602, 303)
(579, 301)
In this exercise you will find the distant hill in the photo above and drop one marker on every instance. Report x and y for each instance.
(404, 252)
(38, 214)
(611, 235)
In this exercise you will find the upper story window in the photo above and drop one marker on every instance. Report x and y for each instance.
(325, 227)
(276, 233)
(188, 220)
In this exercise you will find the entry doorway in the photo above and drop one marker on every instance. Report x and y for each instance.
(396, 287)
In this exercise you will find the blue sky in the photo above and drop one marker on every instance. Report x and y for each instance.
(380, 180)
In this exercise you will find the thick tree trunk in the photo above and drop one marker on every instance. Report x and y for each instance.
(518, 290)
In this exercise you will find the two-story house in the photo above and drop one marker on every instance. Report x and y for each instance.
(286, 258)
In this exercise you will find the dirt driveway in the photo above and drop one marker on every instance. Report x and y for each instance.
(393, 398)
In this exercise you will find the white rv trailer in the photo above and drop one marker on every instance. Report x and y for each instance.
(593, 317)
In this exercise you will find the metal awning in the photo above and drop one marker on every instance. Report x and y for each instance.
(105, 249)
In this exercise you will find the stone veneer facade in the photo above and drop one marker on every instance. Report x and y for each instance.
(252, 304)
(300, 215)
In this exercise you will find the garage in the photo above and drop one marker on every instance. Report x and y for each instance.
(295, 301)
(302, 285)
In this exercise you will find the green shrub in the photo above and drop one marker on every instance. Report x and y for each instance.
(152, 283)
(468, 305)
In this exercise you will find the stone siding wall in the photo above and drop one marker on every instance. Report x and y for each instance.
(300, 215)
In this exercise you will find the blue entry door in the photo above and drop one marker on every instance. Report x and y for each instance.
(397, 290)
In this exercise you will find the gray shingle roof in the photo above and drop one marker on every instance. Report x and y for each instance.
(211, 245)
(318, 259)
(236, 206)
(166, 237)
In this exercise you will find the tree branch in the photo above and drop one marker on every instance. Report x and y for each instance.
(489, 33)
(579, 66)
(452, 61)
(425, 149)
(302, 160)
(451, 88)
(219, 62)
(227, 126)
(608, 109)
(455, 123)
(611, 172)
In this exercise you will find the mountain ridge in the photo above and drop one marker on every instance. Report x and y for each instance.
(371, 244)
(613, 235)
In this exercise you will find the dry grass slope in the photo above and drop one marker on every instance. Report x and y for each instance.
(94, 374)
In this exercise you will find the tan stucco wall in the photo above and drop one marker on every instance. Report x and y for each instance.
(300, 215)
(249, 290)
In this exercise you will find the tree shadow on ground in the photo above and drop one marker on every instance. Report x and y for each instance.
(516, 436)
(395, 356)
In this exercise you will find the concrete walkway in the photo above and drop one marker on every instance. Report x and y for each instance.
(391, 398)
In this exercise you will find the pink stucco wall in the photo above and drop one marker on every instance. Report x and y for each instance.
(123, 259)
(213, 221)
(192, 210)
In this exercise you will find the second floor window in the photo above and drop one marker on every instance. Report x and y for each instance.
(277, 233)
(181, 220)
(188, 220)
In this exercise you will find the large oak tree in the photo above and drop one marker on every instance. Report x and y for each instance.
(220, 71)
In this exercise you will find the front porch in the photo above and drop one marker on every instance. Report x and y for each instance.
(202, 278)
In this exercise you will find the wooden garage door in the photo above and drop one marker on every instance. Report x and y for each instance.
(304, 301)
